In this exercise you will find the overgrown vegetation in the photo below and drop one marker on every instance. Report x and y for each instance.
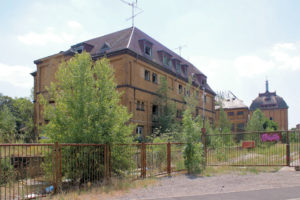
(16, 120)
(86, 110)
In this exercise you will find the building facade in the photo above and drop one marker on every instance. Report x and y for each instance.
(237, 112)
(139, 62)
(273, 106)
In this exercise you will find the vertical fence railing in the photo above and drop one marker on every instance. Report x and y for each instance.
(36, 170)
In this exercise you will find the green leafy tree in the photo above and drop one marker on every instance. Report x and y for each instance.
(24, 119)
(224, 124)
(166, 122)
(7, 125)
(87, 110)
(194, 160)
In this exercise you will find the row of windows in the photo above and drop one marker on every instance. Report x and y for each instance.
(154, 76)
(230, 114)
(239, 127)
(181, 89)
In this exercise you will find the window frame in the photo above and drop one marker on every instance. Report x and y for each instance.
(147, 75)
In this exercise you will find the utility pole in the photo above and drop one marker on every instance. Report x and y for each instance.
(203, 106)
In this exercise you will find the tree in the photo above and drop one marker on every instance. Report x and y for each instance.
(166, 119)
(224, 124)
(7, 125)
(87, 108)
(24, 119)
(194, 159)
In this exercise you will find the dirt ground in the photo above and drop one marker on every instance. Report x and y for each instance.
(183, 185)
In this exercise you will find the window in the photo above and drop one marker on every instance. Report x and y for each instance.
(178, 68)
(138, 105)
(179, 89)
(154, 77)
(230, 114)
(142, 106)
(154, 110)
(148, 50)
(167, 60)
(232, 127)
(271, 118)
(179, 114)
(139, 131)
(147, 75)
(240, 127)
(240, 113)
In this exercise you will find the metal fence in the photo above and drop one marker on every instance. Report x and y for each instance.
(30, 171)
(253, 149)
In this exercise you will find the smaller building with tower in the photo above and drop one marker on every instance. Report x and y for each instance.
(273, 106)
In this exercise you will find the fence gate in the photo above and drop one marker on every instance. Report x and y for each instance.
(294, 138)
(253, 149)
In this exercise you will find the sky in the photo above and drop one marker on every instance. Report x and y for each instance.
(238, 44)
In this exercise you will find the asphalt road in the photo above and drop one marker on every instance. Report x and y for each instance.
(287, 193)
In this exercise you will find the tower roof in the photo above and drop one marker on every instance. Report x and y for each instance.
(268, 100)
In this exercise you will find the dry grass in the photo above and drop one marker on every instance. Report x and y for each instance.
(220, 170)
(115, 188)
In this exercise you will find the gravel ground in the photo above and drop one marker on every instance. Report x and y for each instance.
(183, 185)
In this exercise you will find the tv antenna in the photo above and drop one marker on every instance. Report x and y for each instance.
(180, 48)
(133, 5)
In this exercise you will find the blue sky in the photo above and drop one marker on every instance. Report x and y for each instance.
(236, 43)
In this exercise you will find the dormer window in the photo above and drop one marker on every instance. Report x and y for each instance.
(148, 50)
(79, 48)
(105, 47)
(167, 60)
(146, 47)
(184, 69)
(176, 64)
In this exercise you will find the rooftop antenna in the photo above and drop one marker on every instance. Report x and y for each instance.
(180, 48)
(133, 5)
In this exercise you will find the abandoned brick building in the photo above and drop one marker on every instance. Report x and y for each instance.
(273, 106)
(138, 61)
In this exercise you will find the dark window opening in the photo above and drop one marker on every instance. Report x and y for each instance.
(240, 113)
(138, 105)
(179, 114)
(271, 118)
(154, 77)
(148, 50)
(230, 113)
(154, 110)
(240, 127)
(142, 106)
(232, 127)
(178, 70)
(139, 131)
(180, 89)
(147, 75)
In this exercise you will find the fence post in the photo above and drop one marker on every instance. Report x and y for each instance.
(288, 152)
(107, 156)
(143, 160)
(169, 158)
(203, 130)
(57, 167)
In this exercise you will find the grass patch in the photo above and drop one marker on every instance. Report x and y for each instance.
(114, 188)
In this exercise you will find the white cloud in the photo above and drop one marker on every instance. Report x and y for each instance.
(252, 65)
(16, 75)
(74, 24)
(50, 36)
